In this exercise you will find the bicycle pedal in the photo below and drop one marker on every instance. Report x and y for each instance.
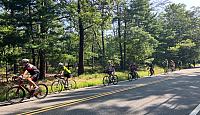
(28, 97)
(66, 87)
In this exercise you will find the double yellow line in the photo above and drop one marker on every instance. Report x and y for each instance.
(56, 106)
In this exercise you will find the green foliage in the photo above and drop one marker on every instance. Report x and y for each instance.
(121, 31)
(141, 45)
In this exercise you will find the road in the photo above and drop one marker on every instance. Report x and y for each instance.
(175, 93)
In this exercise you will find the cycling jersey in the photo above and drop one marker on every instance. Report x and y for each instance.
(133, 68)
(66, 70)
(31, 69)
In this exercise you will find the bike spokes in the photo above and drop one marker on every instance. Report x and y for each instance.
(130, 77)
(72, 84)
(57, 87)
(15, 95)
(42, 91)
(114, 79)
(106, 80)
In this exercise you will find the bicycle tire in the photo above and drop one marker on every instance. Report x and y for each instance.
(136, 76)
(43, 91)
(56, 87)
(106, 81)
(130, 77)
(72, 84)
(115, 79)
(15, 92)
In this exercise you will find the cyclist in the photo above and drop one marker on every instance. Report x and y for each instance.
(172, 65)
(110, 69)
(180, 64)
(133, 69)
(165, 65)
(64, 71)
(33, 71)
(151, 69)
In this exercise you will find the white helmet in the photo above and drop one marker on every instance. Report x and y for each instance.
(60, 64)
(25, 60)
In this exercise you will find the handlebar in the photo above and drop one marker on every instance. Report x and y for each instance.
(57, 76)
(17, 78)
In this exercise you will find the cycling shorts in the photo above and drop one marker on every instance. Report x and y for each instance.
(35, 77)
(67, 75)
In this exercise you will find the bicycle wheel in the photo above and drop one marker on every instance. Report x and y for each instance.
(130, 77)
(114, 79)
(72, 84)
(42, 92)
(136, 76)
(56, 87)
(106, 80)
(15, 94)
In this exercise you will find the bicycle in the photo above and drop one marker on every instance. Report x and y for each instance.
(61, 83)
(166, 70)
(107, 80)
(17, 93)
(133, 75)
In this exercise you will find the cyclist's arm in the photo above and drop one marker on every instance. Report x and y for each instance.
(25, 73)
(62, 73)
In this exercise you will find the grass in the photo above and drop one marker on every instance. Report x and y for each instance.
(85, 80)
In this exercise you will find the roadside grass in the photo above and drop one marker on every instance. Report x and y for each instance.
(85, 80)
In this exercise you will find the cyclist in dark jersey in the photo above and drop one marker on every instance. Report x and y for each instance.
(33, 71)
(110, 69)
(133, 68)
(151, 69)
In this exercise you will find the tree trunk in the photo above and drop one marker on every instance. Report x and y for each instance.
(81, 43)
(125, 23)
(15, 68)
(31, 33)
(92, 55)
(33, 56)
(46, 64)
(103, 47)
(42, 63)
(119, 36)
(102, 36)
(7, 71)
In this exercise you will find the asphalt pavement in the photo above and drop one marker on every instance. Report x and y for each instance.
(174, 93)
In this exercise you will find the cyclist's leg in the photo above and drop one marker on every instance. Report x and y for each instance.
(31, 83)
(151, 71)
(67, 80)
(34, 79)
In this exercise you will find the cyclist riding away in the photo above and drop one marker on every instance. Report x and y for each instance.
(165, 64)
(64, 71)
(33, 71)
(151, 69)
(133, 69)
(172, 65)
(110, 69)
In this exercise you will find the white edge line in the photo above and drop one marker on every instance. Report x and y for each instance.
(196, 110)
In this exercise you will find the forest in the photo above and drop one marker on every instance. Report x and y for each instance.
(88, 33)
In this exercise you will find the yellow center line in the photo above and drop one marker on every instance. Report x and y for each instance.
(60, 105)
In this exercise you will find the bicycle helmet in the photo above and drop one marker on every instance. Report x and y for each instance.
(60, 64)
(25, 60)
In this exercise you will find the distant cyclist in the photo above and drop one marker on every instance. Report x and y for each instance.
(180, 64)
(151, 69)
(34, 72)
(172, 65)
(165, 64)
(64, 71)
(110, 69)
(133, 69)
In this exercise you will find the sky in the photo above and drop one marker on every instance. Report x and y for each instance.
(188, 3)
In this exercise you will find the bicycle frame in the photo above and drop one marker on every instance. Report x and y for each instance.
(23, 86)
(63, 80)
